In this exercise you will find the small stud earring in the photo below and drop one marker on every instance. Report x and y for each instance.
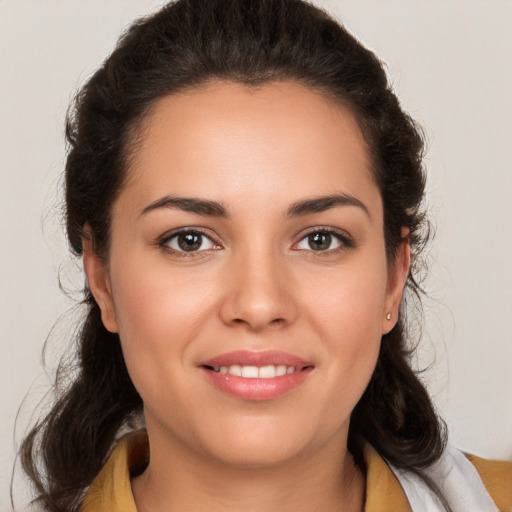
(388, 316)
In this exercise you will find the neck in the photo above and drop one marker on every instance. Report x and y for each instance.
(178, 479)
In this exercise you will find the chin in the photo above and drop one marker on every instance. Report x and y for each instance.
(253, 455)
(255, 444)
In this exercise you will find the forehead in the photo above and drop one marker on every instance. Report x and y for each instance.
(230, 141)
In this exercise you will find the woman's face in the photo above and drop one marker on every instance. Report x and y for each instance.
(247, 274)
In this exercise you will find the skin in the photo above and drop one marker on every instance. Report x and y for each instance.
(257, 286)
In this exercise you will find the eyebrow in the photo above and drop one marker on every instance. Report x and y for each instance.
(323, 203)
(218, 209)
(189, 204)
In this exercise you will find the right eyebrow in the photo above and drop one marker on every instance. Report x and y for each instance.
(188, 204)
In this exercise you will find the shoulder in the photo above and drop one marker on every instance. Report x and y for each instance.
(383, 489)
(466, 483)
(111, 489)
(461, 482)
(497, 478)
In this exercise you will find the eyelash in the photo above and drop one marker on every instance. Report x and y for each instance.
(163, 242)
(345, 240)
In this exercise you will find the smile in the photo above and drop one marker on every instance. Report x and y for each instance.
(255, 372)
(256, 376)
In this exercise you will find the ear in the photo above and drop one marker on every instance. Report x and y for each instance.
(99, 281)
(397, 277)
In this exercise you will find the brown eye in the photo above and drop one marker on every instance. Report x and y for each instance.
(190, 241)
(320, 241)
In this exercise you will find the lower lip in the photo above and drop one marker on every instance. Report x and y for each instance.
(257, 389)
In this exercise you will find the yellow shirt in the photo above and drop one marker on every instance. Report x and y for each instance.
(111, 489)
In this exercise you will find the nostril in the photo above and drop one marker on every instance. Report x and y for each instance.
(275, 321)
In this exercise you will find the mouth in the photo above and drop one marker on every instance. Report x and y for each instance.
(254, 372)
(256, 376)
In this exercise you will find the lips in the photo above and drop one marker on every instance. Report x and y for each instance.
(256, 375)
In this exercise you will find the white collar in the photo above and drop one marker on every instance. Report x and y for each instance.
(456, 478)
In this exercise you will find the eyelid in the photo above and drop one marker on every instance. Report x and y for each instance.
(347, 242)
(163, 240)
(345, 238)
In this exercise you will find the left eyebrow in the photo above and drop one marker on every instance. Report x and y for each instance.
(323, 203)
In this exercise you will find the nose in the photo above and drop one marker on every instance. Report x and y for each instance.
(259, 295)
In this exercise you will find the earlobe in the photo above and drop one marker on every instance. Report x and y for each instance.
(397, 277)
(99, 282)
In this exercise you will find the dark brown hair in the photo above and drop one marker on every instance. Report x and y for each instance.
(184, 45)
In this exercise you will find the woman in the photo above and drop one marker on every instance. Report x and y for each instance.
(246, 194)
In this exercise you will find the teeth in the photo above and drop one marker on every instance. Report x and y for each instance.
(281, 370)
(255, 372)
(267, 372)
(250, 372)
(235, 370)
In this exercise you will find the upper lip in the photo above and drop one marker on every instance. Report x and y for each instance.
(257, 358)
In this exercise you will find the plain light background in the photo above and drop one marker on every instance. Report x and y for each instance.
(450, 65)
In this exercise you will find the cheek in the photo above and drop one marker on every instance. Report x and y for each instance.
(347, 304)
(162, 312)
(151, 301)
(157, 316)
(347, 314)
